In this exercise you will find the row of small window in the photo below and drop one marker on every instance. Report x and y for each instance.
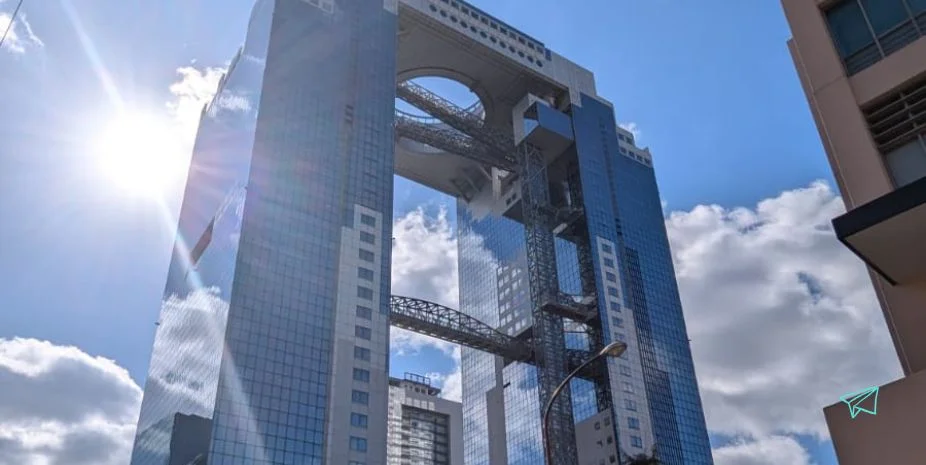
(628, 387)
(365, 313)
(491, 37)
(358, 444)
(360, 397)
(326, 5)
(367, 220)
(617, 321)
(517, 291)
(361, 375)
(363, 332)
(865, 31)
(359, 420)
(635, 156)
(362, 354)
(494, 25)
(364, 293)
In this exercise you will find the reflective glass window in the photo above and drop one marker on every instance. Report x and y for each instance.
(849, 29)
(359, 420)
(885, 14)
(362, 353)
(363, 332)
(364, 293)
(364, 312)
(358, 444)
(364, 273)
(360, 397)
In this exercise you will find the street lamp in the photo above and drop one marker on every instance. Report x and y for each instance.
(614, 349)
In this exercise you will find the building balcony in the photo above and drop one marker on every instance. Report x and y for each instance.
(887, 234)
(894, 435)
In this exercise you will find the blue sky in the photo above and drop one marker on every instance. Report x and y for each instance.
(709, 85)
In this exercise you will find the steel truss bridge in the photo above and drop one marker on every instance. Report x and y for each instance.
(465, 134)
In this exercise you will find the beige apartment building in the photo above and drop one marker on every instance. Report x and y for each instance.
(862, 64)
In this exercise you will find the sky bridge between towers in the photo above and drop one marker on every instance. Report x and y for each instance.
(506, 156)
(445, 323)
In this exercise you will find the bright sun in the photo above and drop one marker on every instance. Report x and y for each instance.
(141, 154)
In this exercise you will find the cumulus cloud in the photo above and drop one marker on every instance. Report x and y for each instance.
(799, 308)
(20, 37)
(424, 258)
(193, 89)
(770, 280)
(451, 383)
(425, 266)
(772, 450)
(61, 406)
(190, 334)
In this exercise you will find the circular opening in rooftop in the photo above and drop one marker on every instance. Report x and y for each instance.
(449, 89)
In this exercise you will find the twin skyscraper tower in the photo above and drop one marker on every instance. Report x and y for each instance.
(274, 329)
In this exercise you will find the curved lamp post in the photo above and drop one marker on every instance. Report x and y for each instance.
(614, 349)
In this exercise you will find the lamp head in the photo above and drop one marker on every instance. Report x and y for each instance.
(614, 349)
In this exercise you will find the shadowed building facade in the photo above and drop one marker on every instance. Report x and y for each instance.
(862, 65)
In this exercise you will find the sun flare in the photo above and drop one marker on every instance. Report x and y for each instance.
(141, 154)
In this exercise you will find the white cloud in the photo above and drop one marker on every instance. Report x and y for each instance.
(61, 406)
(424, 266)
(20, 36)
(190, 334)
(451, 383)
(632, 128)
(424, 258)
(774, 283)
(191, 92)
(771, 281)
(452, 387)
(772, 450)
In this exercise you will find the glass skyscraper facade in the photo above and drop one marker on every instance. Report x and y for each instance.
(274, 323)
(272, 343)
(654, 394)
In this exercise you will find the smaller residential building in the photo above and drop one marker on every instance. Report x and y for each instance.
(596, 443)
(423, 428)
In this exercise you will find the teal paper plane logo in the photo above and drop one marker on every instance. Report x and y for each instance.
(865, 400)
